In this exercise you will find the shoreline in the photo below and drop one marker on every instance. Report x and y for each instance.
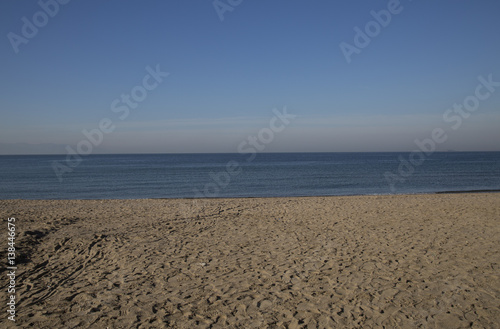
(279, 197)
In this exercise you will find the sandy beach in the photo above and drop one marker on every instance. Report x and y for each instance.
(407, 261)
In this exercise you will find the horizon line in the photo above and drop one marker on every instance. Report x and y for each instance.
(284, 152)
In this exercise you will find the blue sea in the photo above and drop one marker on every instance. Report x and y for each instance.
(139, 176)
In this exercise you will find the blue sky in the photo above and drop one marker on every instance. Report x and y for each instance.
(225, 77)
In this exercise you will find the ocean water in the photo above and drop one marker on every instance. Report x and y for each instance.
(235, 175)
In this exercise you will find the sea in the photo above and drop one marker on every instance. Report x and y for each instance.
(140, 176)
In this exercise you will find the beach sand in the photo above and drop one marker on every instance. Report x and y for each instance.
(407, 261)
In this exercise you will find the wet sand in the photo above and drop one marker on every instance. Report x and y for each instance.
(408, 261)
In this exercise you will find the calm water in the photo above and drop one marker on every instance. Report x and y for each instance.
(233, 175)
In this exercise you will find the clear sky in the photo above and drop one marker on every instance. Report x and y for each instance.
(226, 76)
